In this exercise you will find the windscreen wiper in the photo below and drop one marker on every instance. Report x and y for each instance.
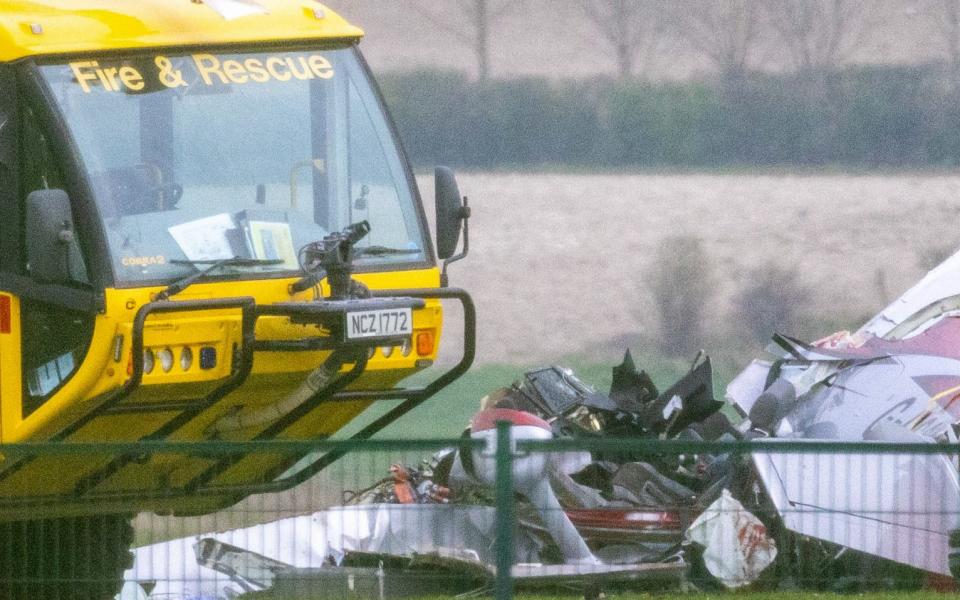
(383, 251)
(178, 286)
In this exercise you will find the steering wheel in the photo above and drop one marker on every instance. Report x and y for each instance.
(137, 189)
(163, 195)
(164, 191)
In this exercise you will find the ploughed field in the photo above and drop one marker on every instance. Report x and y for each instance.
(560, 264)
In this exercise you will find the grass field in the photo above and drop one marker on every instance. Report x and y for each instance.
(892, 595)
(751, 595)
(560, 264)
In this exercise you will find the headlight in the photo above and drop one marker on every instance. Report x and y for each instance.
(406, 347)
(165, 357)
(148, 361)
(186, 358)
(387, 351)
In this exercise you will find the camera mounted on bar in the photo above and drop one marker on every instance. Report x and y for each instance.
(333, 256)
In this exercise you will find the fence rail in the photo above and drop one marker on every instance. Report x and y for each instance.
(407, 518)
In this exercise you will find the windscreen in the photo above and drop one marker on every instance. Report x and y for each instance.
(200, 157)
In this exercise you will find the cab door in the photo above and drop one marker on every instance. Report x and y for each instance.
(42, 341)
(10, 379)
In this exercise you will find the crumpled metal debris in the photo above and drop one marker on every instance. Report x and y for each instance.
(631, 509)
(894, 380)
(846, 386)
(222, 565)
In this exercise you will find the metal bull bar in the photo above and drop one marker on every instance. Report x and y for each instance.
(331, 314)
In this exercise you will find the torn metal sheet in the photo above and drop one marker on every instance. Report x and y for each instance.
(896, 379)
(827, 353)
(687, 401)
(539, 575)
(898, 507)
(250, 570)
(323, 538)
(642, 485)
(656, 530)
(572, 494)
(630, 388)
(936, 294)
(445, 573)
(390, 583)
(911, 390)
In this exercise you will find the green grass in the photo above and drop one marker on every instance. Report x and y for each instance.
(754, 596)
(748, 595)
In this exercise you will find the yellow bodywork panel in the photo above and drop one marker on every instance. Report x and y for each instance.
(48, 27)
(10, 358)
(168, 395)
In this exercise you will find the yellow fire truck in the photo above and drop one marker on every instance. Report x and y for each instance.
(208, 231)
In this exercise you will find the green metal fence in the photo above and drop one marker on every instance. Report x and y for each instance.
(761, 514)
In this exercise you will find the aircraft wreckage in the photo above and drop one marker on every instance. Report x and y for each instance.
(806, 518)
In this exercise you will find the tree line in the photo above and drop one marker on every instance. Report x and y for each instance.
(818, 108)
(861, 117)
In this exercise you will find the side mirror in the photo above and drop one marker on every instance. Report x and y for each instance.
(51, 246)
(452, 214)
(449, 211)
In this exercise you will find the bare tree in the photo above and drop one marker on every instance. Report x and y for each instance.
(725, 31)
(820, 35)
(631, 27)
(469, 21)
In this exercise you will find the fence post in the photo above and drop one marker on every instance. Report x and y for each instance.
(503, 587)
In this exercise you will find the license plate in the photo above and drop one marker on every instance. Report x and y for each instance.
(379, 323)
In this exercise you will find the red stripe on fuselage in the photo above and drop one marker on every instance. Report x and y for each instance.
(487, 419)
